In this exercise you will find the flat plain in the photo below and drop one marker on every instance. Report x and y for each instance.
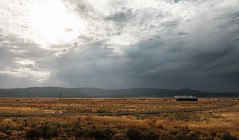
(219, 123)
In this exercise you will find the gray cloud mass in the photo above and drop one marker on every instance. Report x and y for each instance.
(126, 44)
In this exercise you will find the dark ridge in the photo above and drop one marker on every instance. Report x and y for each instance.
(97, 92)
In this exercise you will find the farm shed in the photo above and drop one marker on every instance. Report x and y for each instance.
(186, 98)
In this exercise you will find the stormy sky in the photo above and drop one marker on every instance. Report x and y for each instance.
(117, 44)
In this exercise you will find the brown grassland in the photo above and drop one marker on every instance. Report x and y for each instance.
(216, 124)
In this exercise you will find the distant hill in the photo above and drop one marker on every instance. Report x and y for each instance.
(96, 92)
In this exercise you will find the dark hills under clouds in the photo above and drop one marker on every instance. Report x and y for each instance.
(96, 92)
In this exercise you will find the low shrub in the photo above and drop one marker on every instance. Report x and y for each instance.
(137, 134)
(228, 136)
(184, 135)
(104, 134)
(134, 134)
(151, 135)
(44, 131)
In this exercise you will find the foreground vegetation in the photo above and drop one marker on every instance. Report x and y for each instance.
(222, 123)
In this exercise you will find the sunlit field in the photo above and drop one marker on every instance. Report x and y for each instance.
(221, 123)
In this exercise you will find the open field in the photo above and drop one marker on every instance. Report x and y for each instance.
(220, 123)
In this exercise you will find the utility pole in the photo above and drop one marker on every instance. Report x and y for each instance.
(60, 95)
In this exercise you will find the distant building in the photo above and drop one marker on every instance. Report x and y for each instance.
(186, 98)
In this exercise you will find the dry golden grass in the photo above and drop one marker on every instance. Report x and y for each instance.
(212, 124)
(84, 105)
(23, 110)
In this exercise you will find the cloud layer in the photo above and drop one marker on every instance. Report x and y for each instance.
(124, 44)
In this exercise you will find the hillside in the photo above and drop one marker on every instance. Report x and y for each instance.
(96, 92)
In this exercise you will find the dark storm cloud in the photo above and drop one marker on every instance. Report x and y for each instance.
(93, 66)
(187, 68)
(199, 53)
